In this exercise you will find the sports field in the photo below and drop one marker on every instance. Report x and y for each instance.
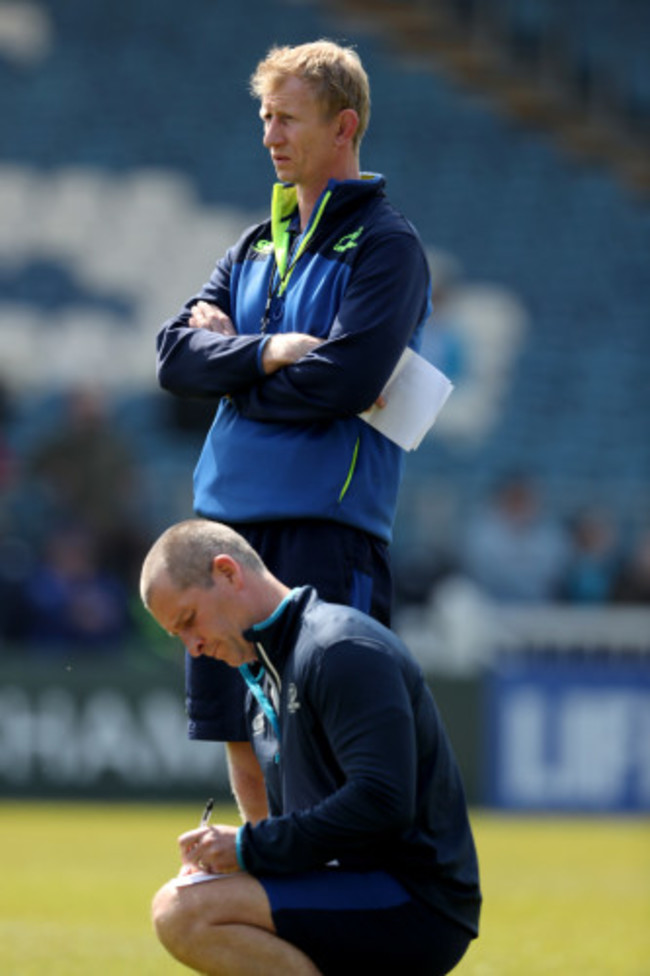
(562, 896)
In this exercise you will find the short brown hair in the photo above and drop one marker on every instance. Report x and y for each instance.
(335, 73)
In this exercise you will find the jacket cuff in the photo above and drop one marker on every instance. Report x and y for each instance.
(260, 352)
(238, 849)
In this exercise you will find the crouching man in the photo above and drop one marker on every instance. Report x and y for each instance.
(364, 860)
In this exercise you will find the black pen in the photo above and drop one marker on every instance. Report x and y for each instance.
(205, 818)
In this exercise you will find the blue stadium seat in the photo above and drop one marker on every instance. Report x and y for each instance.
(136, 86)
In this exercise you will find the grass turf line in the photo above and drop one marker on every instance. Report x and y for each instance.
(562, 895)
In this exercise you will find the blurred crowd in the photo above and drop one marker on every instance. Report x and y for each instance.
(72, 532)
(74, 528)
(516, 551)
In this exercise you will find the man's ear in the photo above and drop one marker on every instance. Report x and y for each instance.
(227, 569)
(348, 123)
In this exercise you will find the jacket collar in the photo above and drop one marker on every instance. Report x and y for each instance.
(277, 634)
(337, 195)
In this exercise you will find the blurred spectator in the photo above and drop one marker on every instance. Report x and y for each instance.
(15, 567)
(511, 549)
(7, 460)
(594, 560)
(633, 583)
(87, 474)
(68, 601)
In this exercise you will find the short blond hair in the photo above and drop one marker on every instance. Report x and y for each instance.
(335, 73)
(185, 552)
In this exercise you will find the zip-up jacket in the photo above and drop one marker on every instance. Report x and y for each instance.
(290, 444)
(358, 766)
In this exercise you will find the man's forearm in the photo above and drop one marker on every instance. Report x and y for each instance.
(203, 363)
(246, 781)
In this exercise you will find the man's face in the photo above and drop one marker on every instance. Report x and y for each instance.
(209, 621)
(300, 139)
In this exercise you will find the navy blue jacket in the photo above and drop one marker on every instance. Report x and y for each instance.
(357, 763)
(290, 445)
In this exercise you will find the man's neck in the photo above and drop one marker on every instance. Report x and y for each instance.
(268, 597)
(309, 195)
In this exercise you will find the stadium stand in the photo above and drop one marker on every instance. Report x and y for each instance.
(134, 157)
(514, 133)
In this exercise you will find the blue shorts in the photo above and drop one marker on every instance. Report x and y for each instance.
(350, 923)
(345, 565)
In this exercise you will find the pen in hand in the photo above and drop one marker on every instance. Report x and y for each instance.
(205, 816)
(208, 852)
(190, 869)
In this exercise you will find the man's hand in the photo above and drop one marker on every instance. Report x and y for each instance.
(285, 348)
(210, 849)
(207, 316)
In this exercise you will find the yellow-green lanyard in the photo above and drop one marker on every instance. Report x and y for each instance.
(280, 221)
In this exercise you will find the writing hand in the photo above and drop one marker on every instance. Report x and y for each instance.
(211, 849)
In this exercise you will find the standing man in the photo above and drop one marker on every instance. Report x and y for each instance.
(364, 860)
(296, 332)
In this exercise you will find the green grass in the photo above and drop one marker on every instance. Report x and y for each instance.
(562, 896)
(567, 896)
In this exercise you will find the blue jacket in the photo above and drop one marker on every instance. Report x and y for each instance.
(290, 445)
(357, 763)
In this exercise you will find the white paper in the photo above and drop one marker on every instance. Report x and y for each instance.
(415, 394)
(196, 878)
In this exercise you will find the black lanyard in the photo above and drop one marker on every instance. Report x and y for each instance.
(274, 286)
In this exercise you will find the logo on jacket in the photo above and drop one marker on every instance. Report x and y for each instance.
(263, 246)
(348, 240)
(258, 724)
(292, 699)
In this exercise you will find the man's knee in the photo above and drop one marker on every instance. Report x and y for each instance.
(171, 920)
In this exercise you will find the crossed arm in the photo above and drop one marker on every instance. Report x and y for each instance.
(279, 350)
(295, 376)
